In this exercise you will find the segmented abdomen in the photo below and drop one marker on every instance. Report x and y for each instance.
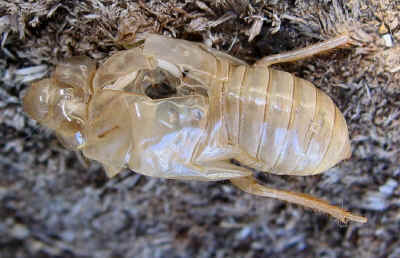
(283, 122)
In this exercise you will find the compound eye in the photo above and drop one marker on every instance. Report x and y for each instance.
(37, 100)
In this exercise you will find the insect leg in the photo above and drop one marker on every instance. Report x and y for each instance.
(302, 53)
(220, 170)
(250, 185)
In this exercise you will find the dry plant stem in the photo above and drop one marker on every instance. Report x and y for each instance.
(306, 52)
(250, 185)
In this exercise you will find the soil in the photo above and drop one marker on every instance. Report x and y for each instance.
(52, 204)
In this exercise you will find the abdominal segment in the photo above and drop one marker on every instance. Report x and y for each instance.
(283, 122)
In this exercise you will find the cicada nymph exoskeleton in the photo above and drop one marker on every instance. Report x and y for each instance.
(176, 109)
